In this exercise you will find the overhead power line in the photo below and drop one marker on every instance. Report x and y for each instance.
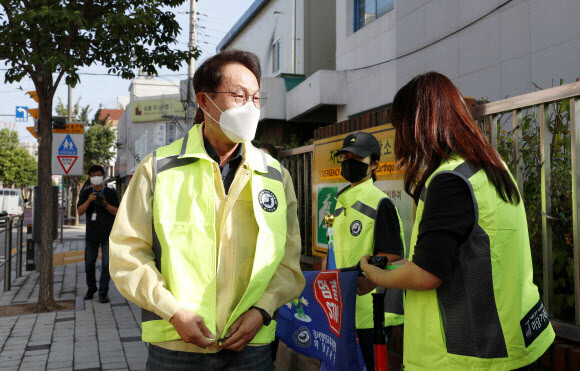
(432, 43)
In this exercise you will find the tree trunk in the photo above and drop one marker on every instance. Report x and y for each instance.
(46, 300)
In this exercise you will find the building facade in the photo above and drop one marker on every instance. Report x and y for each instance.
(293, 40)
(153, 118)
(490, 49)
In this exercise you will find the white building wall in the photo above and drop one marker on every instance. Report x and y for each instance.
(142, 87)
(273, 22)
(31, 148)
(501, 54)
(141, 138)
(375, 43)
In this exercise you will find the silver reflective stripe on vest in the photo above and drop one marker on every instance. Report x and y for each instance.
(264, 159)
(184, 145)
(156, 244)
(338, 211)
(423, 194)
(273, 173)
(365, 209)
(170, 162)
(145, 314)
(156, 250)
(467, 169)
(341, 191)
(154, 171)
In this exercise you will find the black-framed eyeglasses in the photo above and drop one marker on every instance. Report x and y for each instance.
(242, 97)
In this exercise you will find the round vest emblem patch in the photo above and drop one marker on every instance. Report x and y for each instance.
(355, 228)
(268, 200)
(302, 337)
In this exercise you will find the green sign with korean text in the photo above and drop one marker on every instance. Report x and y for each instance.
(154, 109)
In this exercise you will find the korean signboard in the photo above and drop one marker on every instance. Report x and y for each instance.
(327, 182)
(153, 109)
(68, 150)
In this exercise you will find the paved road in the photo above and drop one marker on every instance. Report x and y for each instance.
(95, 336)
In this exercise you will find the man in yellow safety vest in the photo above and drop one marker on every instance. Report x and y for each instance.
(207, 240)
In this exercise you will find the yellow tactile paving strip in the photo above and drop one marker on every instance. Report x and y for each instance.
(69, 257)
(65, 258)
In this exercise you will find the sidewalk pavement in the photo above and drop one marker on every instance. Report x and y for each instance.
(95, 336)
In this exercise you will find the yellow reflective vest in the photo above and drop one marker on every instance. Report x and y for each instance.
(488, 313)
(354, 236)
(218, 274)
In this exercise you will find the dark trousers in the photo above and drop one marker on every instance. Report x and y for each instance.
(365, 339)
(91, 254)
(257, 358)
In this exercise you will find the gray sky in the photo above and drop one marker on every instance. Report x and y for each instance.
(217, 17)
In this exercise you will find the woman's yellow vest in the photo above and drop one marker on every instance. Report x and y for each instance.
(354, 235)
(488, 313)
(184, 233)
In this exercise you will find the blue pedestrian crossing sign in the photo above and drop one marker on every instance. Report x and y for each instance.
(67, 147)
(68, 153)
(21, 114)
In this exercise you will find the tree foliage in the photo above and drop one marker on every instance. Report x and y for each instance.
(79, 113)
(559, 140)
(51, 39)
(17, 167)
(43, 37)
(100, 141)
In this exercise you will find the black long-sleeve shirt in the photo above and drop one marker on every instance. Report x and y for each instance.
(448, 219)
(387, 230)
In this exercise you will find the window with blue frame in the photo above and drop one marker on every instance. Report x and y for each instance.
(366, 11)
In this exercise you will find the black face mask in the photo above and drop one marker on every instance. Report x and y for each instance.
(353, 170)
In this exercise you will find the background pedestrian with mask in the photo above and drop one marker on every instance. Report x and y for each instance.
(366, 223)
(100, 203)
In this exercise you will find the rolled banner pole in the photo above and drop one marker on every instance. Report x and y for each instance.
(379, 336)
(330, 259)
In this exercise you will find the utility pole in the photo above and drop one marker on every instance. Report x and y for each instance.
(192, 36)
(189, 114)
(65, 185)
(70, 109)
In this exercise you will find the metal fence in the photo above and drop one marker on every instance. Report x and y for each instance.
(298, 161)
(544, 101)
(11, 251)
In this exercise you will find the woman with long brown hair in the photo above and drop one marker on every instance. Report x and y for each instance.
(471, 302)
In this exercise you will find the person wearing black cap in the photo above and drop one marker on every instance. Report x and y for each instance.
(366, 223)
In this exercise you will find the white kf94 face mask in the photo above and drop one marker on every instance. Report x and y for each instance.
(97, 180)
(238, 123)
